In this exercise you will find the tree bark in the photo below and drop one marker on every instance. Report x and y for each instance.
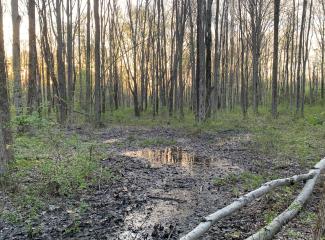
(61, 67)
(312, 177)
(268, 232)
(32, 59)
(88, 54)
(275, 59)
(201, 65)
(97, 65)
(208, 44)
(301, 45)
(6, 153)
(16, 56)
(69, 56)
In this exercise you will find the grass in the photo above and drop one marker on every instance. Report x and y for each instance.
(285, 138)
(247, 181)
(53, 164)
(50, 164)
(58, 164)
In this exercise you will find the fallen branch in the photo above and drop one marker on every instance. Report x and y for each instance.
(276, 225)
(208, 221)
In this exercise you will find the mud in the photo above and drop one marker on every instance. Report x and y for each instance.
(162, 191)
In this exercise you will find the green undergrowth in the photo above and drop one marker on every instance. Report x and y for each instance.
(287, 138)
(50, 163)
(246, 180)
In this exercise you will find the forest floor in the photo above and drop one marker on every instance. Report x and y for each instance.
(157, 182)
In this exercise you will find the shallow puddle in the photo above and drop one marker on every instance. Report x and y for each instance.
(172, 193)
(177, 156)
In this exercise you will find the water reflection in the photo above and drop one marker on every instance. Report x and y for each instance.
(177, 156)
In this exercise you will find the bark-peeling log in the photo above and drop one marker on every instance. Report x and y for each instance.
(276, 225)
(208, 221)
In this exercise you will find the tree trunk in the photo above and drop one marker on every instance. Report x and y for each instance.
(306, 53)
(243, 50)
(208, 44)
(6, 154)
(201, 65)
(16, 56)
(81, 97)
(275, 59)
(69, 56)
(97, 65)
(61, 67)
(88, 53)
(301, 45)
(32, 59)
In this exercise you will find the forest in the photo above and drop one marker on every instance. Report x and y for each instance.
(162, 119)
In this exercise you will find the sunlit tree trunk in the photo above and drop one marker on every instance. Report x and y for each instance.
(32, 59)
(6, 154)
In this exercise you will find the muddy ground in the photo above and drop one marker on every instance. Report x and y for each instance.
(164, 186)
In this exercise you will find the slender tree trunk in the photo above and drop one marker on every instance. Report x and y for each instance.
(61, 67)
(322, 69)
(69, 56)
(306, 53)
(208, 44)
(201, 64)
(300, 50)
(32, 59)
(243, 50)
(322, 38)
(192, 59)
(97, 64)
(275, 59)
(88, 53)
(16, 56)
(81, 97)
(292, 69)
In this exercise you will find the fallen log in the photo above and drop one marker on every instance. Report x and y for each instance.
(210, 220)
(276, 225)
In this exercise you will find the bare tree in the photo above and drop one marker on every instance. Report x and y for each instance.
(69, 56)
(300, 53)
(16, 56)
(60, 65)
(97, 64)
(32, 59)
(6, 154)
(200, 67)
(275, 59)
(258, 11)
(88, 62)
(208, 43)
